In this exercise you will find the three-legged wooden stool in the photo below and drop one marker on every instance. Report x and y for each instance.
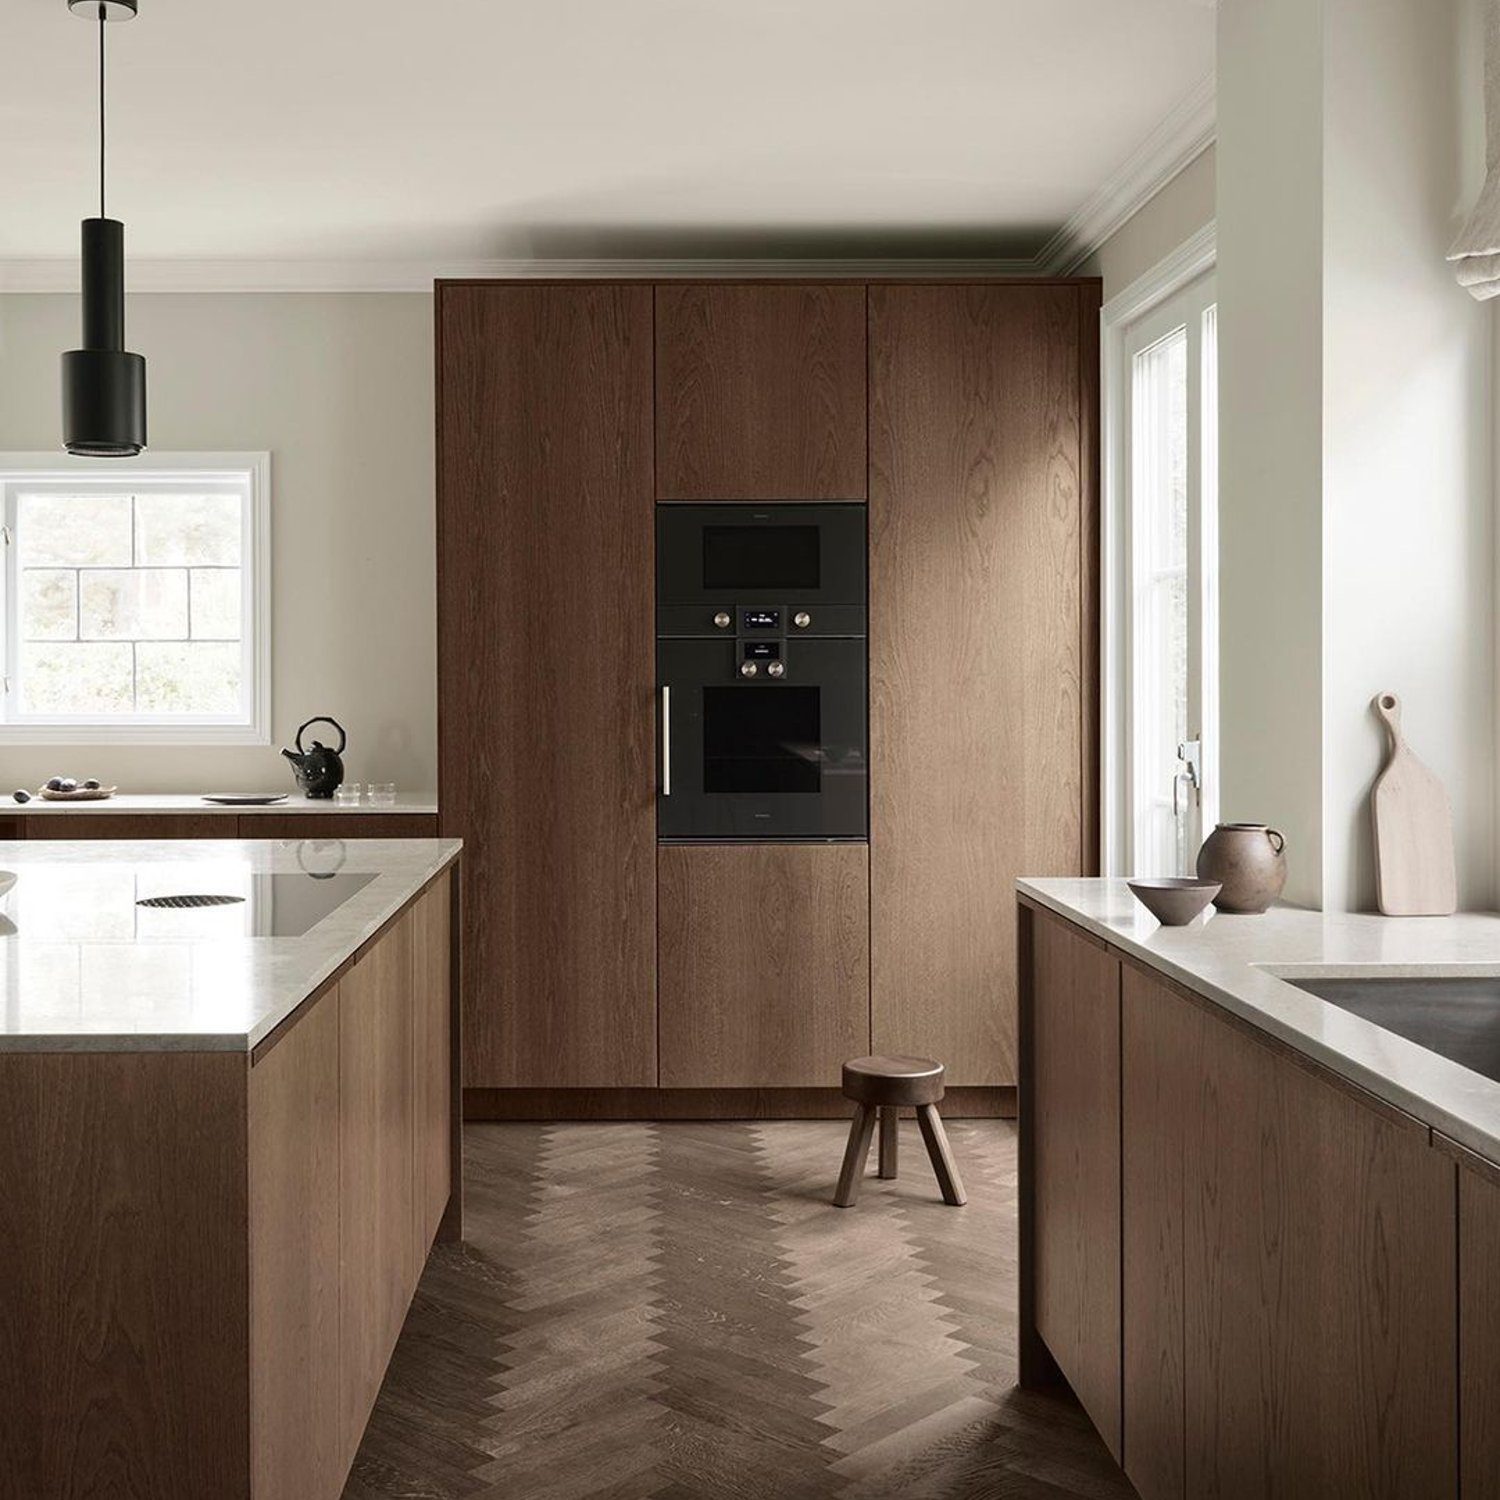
(881, 1086)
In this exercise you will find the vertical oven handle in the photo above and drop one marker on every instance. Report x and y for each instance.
(666, 741)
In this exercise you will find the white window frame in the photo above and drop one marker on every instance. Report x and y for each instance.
(175, 472)
(1195, 259)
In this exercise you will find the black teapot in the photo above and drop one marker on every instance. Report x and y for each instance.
(319, 771)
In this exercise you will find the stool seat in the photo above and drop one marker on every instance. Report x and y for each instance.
(893, 1080)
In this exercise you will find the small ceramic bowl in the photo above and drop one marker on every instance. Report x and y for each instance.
(1174, 903)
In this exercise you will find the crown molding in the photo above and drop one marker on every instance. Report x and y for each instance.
(1178, 140)
(1183, 136)
(61, 276)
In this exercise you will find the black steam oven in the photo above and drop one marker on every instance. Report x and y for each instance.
(762, 668)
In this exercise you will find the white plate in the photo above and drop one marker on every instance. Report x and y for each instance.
(245, 799)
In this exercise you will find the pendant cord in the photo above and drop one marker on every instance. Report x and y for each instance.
(101, 108)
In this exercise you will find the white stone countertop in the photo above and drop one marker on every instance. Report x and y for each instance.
(181, 802)
(84, 968)
(1242, 963)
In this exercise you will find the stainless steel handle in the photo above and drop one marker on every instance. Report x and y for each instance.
(666, 741)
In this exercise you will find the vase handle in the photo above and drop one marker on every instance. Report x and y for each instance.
(1277, 838)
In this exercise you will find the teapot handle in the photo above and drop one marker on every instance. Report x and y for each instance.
(323, 719)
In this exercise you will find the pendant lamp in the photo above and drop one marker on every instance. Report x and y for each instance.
(104, 385)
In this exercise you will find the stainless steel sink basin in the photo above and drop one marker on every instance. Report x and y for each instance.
(1457, 1018)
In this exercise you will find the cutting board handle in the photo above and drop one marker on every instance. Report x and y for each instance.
(1388, 706)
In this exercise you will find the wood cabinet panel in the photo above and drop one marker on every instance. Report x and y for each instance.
(546, 613)
(378, 1263)
(1479, 1329)
(1320, 1347)
(1074, 1111)
(336, 826)
(982, 652)
(760, 392)
(1159, 1063)
(296, 1450)
(764, 952)
(432, 1063)
(51, 825)
(124, 1358)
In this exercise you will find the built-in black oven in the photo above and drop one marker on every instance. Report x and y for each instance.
(762, 663)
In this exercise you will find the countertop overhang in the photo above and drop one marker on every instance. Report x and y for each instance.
(1243, 963)
(80, 971)
(141, 803)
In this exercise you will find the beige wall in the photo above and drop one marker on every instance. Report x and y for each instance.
(339, 390)
(1171, 216)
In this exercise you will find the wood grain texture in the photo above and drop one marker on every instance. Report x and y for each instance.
(432, 1063)
(55, 826)
(760, 391)
(1160, 1043)
(1320, 1346)
(124, 1358)
(1479, 1331)
(979, 651)
(1075, 1086)
(706, 1104)
(379, 1266)
(296, 1452)
(337, 826)
(764, 963)
(546, 675)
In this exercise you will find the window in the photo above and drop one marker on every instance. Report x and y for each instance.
(136, 599)
(1161, 568)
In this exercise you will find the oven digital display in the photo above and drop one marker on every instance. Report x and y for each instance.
(762, 651)
(762, 619)
(760, 559)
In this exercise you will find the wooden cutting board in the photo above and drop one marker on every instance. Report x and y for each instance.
(1414, 869)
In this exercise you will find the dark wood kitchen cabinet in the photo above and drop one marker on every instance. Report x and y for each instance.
(983, 550)
(546, 675)
(760, 391)
(1071, 1121)
(1287, 1266)
(1478, 1324)
(765, 963)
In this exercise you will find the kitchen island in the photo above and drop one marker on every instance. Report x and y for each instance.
(1259, 1231)
(229, 1135)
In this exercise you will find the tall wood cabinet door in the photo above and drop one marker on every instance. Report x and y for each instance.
(546, 676)
(1075, 1114)
(378, 1264)
(981, 649)
(1479, 1328)
(1160, 1041)
(432, 1062)
(765, 964)
(1320, 1339)
(760, 392)
(296, 1446)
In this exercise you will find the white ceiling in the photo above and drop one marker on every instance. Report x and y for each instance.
(473, 129)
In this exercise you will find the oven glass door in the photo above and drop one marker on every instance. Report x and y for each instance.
(764, 758)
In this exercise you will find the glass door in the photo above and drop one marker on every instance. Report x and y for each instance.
(1170, 473)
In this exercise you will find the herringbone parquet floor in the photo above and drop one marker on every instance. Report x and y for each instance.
(677, 1312)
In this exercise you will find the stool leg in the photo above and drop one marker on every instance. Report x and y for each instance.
(856, 1153)
(942, 1156)
(888, 1117)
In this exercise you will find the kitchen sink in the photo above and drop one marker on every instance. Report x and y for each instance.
(1457, 1018)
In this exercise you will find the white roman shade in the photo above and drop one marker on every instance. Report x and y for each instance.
(1476, 251)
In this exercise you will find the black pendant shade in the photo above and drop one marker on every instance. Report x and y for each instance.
(104, 385)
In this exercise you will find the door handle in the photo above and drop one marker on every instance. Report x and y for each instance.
(666, 741)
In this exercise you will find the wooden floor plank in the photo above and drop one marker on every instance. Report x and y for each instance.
(677, 1312)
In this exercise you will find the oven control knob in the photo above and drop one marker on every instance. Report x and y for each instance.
(748, 669)
(723, 619)
(802, 619)
(775, 669)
